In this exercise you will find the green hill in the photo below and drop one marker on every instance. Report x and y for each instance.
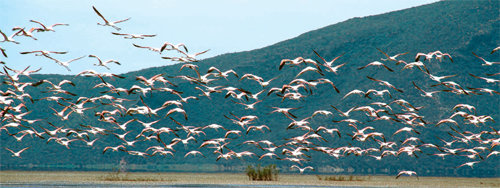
(455, 27)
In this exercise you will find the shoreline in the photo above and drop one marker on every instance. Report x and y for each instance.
(169, 178)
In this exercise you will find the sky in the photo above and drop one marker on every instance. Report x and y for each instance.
(222, 26)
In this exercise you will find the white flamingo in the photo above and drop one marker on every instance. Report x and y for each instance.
(108, 23)
(301, 170)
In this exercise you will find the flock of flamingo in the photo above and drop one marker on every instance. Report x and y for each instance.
(162, 127)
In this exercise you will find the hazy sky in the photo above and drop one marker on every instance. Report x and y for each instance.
(222, 26)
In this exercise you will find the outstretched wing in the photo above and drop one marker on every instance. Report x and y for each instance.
(99, 14)
(121, 20)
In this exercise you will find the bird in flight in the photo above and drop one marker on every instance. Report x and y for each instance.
(391, 58)
(105, 63)
(132, 36)
(407, 172)
(301, 170)
(10, 38)
(65, 64)
(17, 154)
(329, 64)
(486, 63)
(376, 63)
(108, 23)
(49, 28)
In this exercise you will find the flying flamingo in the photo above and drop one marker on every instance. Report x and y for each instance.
(49, 28)
(391, 58)
(105, 63)
(65, 64)
(376, 63)
(17, 154)
(106, 22)
(132, 36)
(407, 172)
(329, 64)
(470, 164)
(10, 38)
(194, 153)
(486, 63)
(301, 170)
(494, 50)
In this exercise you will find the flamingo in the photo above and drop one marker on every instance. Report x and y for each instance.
(376, 63)
(425, 55)
(249, 106)
(485, 90)
(329, 64)
(105, 63)
(93, 73)
(300, 123)
(148, 124)
(322, 112)
(344, 114)
(391, 58)
(301, 170)
(214, 126)
(28, 33)
(106, 22)
(385, 83)
(269, 154)
(418, 64)
(179, 110)
(266, 83)
(377, 93)
(426, 94)
(296, 61)
(470, 164)
(493, 153)
(192, 57)
(65, 142)
(295, 160)
(284, 111)
(116, 148)
(355, 91)
(184, 141)
(405, 129)
(224, 74)
(329, 131)
(440, 55)
(309, 68)
(466, 106)
(10, 38)
(42, 52)
(162, 152)
(65, 64)
(194, 153)
(252, 77)
(406, 172)
(24, 72)
(494, 50)
(173, 47)
(260, 128)
(18, 153)
(488, 80)
(49, 28)
(132, 36)
(149, 48)
(138, 153)
(439, 78)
